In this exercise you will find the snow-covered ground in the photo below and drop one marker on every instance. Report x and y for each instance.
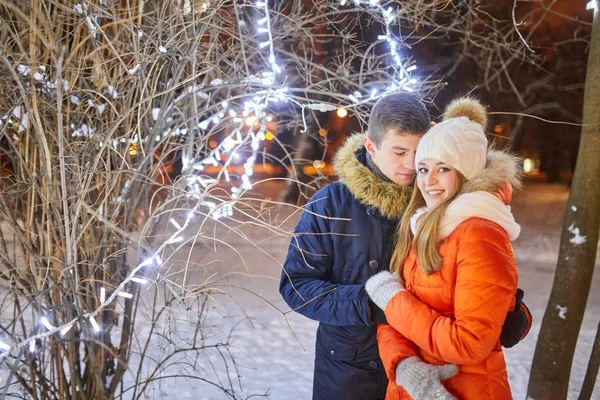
(275, 350)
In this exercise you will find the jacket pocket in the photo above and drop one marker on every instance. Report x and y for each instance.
(336, 349)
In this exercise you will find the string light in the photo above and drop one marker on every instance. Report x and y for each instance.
(4, 346)
(175, 240)
(65, 330)
(175, 224)
(46, 323)
(94, 324)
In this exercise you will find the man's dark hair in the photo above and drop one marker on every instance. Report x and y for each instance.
(403, 112)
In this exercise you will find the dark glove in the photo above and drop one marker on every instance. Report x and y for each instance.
(377, 314)
(517, 323)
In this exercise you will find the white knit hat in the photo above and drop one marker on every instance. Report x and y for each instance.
(459, 140)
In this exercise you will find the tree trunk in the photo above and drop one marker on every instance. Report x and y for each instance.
(553, 357)
(592, 370)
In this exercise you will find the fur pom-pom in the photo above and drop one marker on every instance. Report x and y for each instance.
(467, 107)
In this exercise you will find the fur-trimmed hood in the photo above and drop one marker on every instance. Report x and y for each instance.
(487, 196)
(389, 198)
(501, 172)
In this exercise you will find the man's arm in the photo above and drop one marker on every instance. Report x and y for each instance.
(305, 281)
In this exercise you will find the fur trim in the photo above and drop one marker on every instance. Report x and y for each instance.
(389, 198)
(501, 170)
(467, 107)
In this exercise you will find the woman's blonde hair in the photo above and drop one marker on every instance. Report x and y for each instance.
(427, 238)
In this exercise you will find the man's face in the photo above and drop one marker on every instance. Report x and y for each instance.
(395, 156)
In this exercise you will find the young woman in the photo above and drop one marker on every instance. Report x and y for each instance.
(455, 273)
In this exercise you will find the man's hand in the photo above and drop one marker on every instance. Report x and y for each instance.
(382, 287)
(424, 381)
(377, 314)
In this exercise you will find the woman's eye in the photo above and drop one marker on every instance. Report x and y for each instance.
(444, 169)
(400, 154)
(422, 170)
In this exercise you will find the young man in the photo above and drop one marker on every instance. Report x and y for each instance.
(345, 236)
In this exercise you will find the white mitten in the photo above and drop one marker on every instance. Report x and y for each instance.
(382, 287)
(424, 381)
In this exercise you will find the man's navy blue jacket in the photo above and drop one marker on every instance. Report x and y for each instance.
(344, 236)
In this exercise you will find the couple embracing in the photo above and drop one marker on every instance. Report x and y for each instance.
(406, 261)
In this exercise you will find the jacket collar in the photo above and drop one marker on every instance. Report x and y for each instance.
(369, 189)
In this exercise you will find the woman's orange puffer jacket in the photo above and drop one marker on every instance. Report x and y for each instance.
(455, 315)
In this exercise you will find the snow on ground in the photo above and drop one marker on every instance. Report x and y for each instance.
(276, 355)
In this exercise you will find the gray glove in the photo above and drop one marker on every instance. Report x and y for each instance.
(382, 287)
(423, 381)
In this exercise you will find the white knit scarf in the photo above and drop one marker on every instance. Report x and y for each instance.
(469, 205)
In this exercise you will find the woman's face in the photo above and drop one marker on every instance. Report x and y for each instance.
(436, 181)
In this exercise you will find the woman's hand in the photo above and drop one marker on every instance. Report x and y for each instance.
(424, 381)
(382, 287)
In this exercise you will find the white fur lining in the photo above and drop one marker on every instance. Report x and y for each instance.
(470, 205)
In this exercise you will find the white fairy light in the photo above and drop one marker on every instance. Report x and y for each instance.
(139, 280)
(46, 323)
(147, 262)
(174, 223)
(32, 346)
(125, 295)
(102, 294)
(4, 346)
(591, 5)
(246, 182)
(94, 324)
(65, 330)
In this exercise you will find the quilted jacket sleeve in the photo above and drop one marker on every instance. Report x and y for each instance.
(393, 348)
(305, 281)
(486, 281)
